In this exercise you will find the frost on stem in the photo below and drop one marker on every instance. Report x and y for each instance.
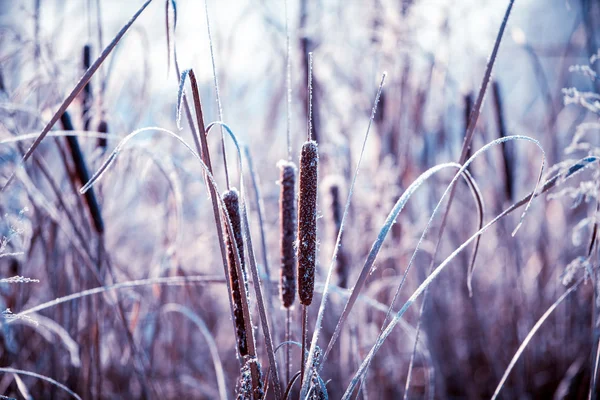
(307, 221)
(232, 205)
(287, 221)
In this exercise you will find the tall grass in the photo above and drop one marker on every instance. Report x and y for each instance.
(128, 261)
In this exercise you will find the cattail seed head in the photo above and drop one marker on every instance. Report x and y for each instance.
(87, 89)
(307, 221)
(245, 390)
(232, 206)
(334, 185)
(287, 224)
(102, 128)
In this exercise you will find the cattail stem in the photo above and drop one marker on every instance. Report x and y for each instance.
(304, 338)
(309, 132)
(288, 349)
(288, 84)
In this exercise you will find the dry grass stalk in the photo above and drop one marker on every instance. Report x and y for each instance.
(307, 221)
(232, 205)
(287, 221)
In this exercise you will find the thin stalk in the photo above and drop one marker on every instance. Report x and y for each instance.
(304, 338)
(288, 338)
(310, 96)
(288, 84)
(217, 93)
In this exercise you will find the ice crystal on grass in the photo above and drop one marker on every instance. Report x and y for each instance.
(573, 268)
(19, 279)
(9, 316)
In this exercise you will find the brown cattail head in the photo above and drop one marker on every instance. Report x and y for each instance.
(334, 185)
(244, 387)
(102, 128)
(287, 224)
(232, 206)
(307, 221)
(82, 173)
(87, 89)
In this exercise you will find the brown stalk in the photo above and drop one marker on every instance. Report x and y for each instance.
(205, 154)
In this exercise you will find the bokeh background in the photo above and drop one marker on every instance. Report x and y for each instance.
(158, 219)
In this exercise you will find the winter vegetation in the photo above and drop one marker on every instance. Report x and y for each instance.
(293, 199)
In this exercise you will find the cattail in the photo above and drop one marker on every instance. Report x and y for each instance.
(87, 89)
(307, 221)
(287, 223)
(102, 128)
(244, 388)
(232, 205)
(82, 173)
(468, 103)
(507, 150)
(333, 188)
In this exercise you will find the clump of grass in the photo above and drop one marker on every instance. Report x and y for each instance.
(236, 243)
(287, 221)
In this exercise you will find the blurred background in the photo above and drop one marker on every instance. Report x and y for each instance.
(153, 218)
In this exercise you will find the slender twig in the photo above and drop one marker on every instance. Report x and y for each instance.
(217, 92)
